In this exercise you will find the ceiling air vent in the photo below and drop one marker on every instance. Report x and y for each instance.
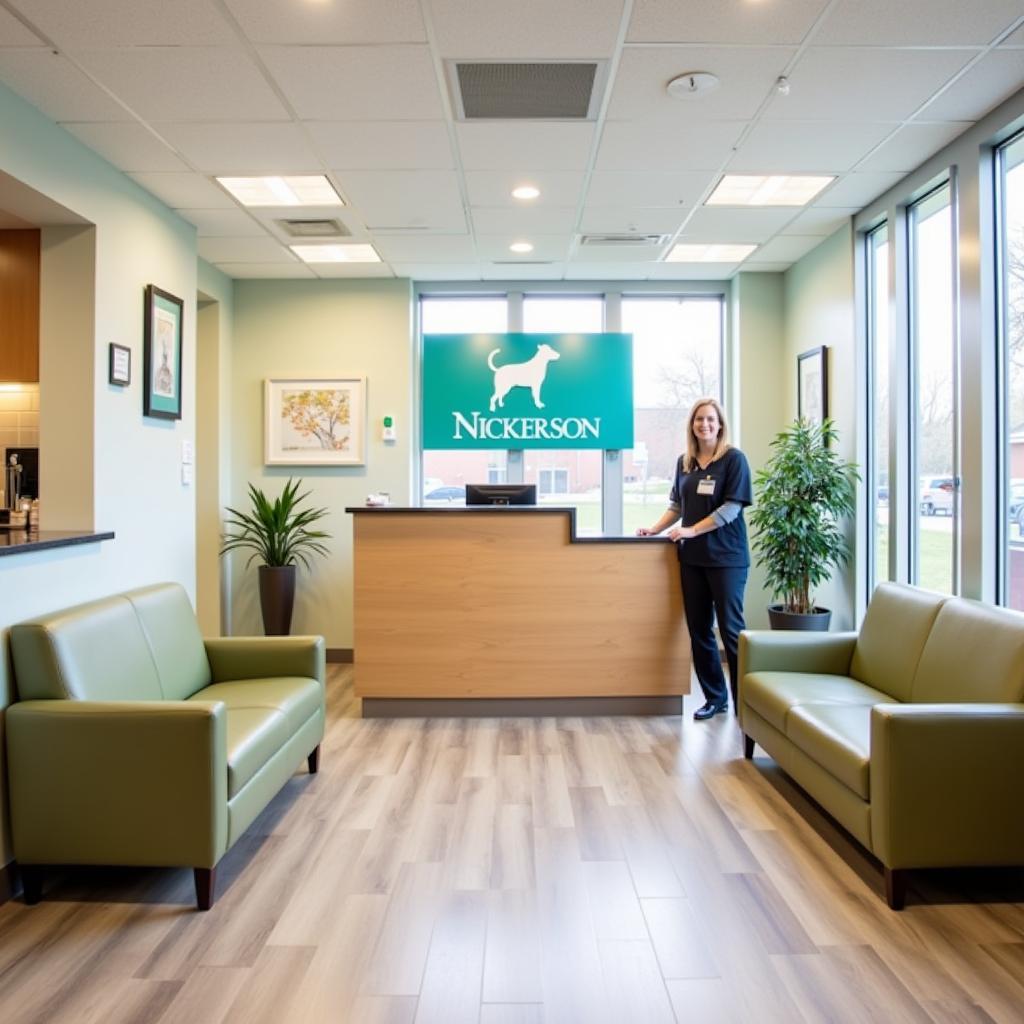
(314, 228)
(537, 90)
(630, 239)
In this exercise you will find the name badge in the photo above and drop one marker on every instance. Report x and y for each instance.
(706, 486)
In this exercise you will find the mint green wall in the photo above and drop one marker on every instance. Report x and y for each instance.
(321, 329)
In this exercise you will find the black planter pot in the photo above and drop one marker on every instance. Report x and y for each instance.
(277, 598)
(815, 622)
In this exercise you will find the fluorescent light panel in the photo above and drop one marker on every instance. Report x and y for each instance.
(768, 189)
(356, 253)
(294, 190)
(708, 253)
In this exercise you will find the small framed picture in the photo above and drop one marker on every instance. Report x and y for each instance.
(812, 385)
(315, 422)
(162, 342)
(120, 369)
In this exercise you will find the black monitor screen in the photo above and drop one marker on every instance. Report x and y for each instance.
(501, 494)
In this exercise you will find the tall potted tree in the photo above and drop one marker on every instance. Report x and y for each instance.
(802, 493)
(278, 534)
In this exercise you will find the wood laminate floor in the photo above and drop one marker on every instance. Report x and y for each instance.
(522, 870)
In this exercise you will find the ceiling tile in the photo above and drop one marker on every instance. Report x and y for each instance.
(692, 271)
(747, 74)
(806, 147)
(735, 224)
(243, 250)
(185, 83)
(545, 146)
(354, 21)
(749, 267)
(223, 223)
(188, 191)
(604, 220)
(856, 84)
(494, 188)
(646, 145)
(536, 29)
(545, 247)
(266, 270)
(997, 76)
(271, 148)
(1015, 38)
(820, 220)
(858, 189)
(357, 83)
(607, 271)
(105, 23)
(14, 33)
(620, 254)
(54, 85)
(911, 146)
(406, 199)
(127, 145)
(525, 272)
(649, 188)
(916, 22)
(426, 272)
(334, 270)
(397, 145)
(786, 248)
(496, 220)
(724, 21)
(426, 248)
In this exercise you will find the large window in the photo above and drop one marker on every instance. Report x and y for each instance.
(933, 334)
(878, 412)
(1010, 166)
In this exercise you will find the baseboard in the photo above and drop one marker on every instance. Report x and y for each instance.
(339, 655)
(518, 707)
(10, 882)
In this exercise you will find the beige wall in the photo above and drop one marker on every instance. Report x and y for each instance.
(321, 329)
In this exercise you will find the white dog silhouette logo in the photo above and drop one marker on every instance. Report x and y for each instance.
(530, 375)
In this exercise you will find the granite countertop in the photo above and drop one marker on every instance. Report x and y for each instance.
(19, 541)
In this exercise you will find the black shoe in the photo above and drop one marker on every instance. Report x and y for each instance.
(709, 711)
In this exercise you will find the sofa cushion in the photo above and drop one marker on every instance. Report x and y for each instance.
(837, 737)
(295, 698)
(772, 694)
(974, 654)
(254, 736)
(174, 639)
(895, 629)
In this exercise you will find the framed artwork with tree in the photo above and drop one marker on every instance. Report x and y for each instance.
(315, 422)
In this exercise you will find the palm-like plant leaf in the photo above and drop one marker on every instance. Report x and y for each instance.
(276, 532)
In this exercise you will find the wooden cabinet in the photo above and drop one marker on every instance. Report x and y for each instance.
(19, 305)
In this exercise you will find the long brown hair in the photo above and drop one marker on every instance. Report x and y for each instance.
(690, 458)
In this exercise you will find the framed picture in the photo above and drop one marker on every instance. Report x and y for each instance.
(161, 351)
(812, 385)
(315, 422)
(120, 368)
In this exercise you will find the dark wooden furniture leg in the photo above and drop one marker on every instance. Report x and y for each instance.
(896, 888)
(314, 760)
(748, 747)
(206, 884)
(31, 883)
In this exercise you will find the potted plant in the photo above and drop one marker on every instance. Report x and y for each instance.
(802, 493)
(278, 534)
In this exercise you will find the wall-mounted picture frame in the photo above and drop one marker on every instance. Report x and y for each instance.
(161, 351)
(314, 421)
(812, 385)
(119, 370)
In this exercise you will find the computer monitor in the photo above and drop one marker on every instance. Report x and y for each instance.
(501, 494)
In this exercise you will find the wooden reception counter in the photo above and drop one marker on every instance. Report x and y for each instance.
(505, 611)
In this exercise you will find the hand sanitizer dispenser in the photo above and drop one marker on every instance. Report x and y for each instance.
(387, 432)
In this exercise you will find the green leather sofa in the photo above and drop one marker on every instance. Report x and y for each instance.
(910, 733)
(135, 742)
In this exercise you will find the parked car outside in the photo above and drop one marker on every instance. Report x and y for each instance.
(1017, 503)
(936, 495)
(447, 495)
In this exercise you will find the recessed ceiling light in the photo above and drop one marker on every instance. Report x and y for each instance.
(768, 189)
(356, 253)
(525, 192)
(521, 247)
(294, 190)
(703, 252)
(692, 83)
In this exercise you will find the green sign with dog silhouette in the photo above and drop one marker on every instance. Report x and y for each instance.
(527, 391)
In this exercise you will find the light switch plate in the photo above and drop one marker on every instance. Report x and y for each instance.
(186, 453)
(186, 475)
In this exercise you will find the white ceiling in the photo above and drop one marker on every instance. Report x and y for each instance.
(174, 94)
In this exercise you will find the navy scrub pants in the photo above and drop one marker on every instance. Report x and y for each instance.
(707, 592)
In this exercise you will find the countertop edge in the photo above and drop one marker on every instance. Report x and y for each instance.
(50, 540)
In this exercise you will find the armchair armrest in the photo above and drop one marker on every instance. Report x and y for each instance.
(946, 784)
(255, 657)
(768, 650)
(118, 782)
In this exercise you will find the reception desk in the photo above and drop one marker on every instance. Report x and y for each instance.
(504, 611)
